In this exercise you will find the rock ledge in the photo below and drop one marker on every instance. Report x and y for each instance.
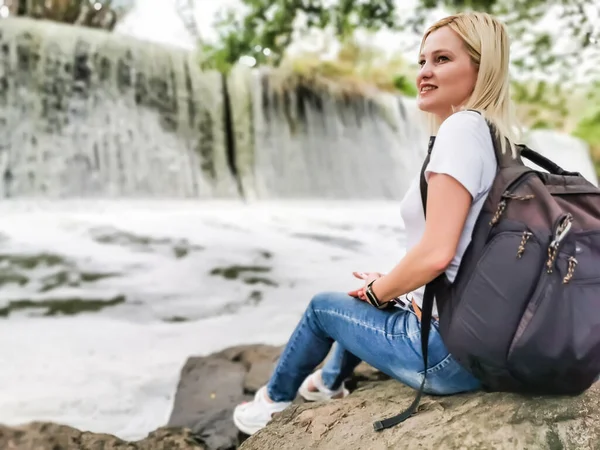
(468, 421)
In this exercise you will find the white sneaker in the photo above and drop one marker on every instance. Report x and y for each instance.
(322, 392)
(251, 416)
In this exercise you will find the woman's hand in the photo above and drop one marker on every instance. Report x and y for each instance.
(367, 277)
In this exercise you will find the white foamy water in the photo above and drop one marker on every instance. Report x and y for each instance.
(116, 370)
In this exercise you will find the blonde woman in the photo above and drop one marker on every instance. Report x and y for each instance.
(464, 63)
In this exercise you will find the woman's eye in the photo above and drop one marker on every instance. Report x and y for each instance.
(439, 59)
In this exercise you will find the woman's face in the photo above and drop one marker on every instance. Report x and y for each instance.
(447, 76)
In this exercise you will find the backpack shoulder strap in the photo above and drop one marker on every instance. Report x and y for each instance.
(426, 316)
(422, 180)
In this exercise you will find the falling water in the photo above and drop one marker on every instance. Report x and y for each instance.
(312, 142)
(86, 114)
(83, 113)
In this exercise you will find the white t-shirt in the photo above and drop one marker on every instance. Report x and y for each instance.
(463, 149)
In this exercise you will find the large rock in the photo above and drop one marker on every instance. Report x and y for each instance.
(470, 421)
(50, 436)
(210, 387)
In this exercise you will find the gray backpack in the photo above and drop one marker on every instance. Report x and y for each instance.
(523, 314)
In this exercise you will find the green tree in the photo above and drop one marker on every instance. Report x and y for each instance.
(267, 28)
(588, 128)
(263, 29)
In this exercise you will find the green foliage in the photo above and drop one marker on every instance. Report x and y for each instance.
(405, 86)
(541, 104)
(266, 30)
(354, 68)
(263, 29)
(588, 127)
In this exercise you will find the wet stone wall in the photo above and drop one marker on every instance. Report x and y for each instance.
(83, 113)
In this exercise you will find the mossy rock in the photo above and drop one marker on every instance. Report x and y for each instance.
(63, 306)
(233, 272)
(28, 262)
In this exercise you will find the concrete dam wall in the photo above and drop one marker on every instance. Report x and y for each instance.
(85, 113)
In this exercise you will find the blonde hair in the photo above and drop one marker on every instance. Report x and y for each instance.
(487, 43)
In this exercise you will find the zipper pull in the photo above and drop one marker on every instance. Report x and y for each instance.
(524, 239)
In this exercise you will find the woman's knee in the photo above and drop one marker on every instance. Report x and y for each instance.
(324, 303)
(327, 300)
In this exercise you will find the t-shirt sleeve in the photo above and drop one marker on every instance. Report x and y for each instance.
(460, 150)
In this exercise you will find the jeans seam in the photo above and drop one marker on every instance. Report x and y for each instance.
(357, 322)
(272, 386)
(439, 366)
(283, 359)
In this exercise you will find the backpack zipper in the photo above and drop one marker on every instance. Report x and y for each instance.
(564, 225)
(570, 269)
(524, 239)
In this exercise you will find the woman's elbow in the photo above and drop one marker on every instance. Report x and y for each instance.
(437, 253)
(440, 259)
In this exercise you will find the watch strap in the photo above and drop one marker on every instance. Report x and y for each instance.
(372, 298)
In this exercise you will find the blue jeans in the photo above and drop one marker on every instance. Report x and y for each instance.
(390, 341)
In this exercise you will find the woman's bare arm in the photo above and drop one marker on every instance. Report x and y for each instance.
(448, 203)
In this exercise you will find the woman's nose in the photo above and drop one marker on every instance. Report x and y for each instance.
(425, 71)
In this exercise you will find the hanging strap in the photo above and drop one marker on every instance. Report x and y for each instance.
(544, 162)
(426, 316)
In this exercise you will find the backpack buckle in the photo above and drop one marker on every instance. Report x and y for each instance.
(562, 231)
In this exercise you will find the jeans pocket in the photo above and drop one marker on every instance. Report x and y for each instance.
(444, 374)
(449, 377)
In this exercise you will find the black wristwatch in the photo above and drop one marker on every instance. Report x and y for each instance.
(372, 298)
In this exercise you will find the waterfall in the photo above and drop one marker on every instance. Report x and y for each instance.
(300, 141)
(83, 113)
(87, 113)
